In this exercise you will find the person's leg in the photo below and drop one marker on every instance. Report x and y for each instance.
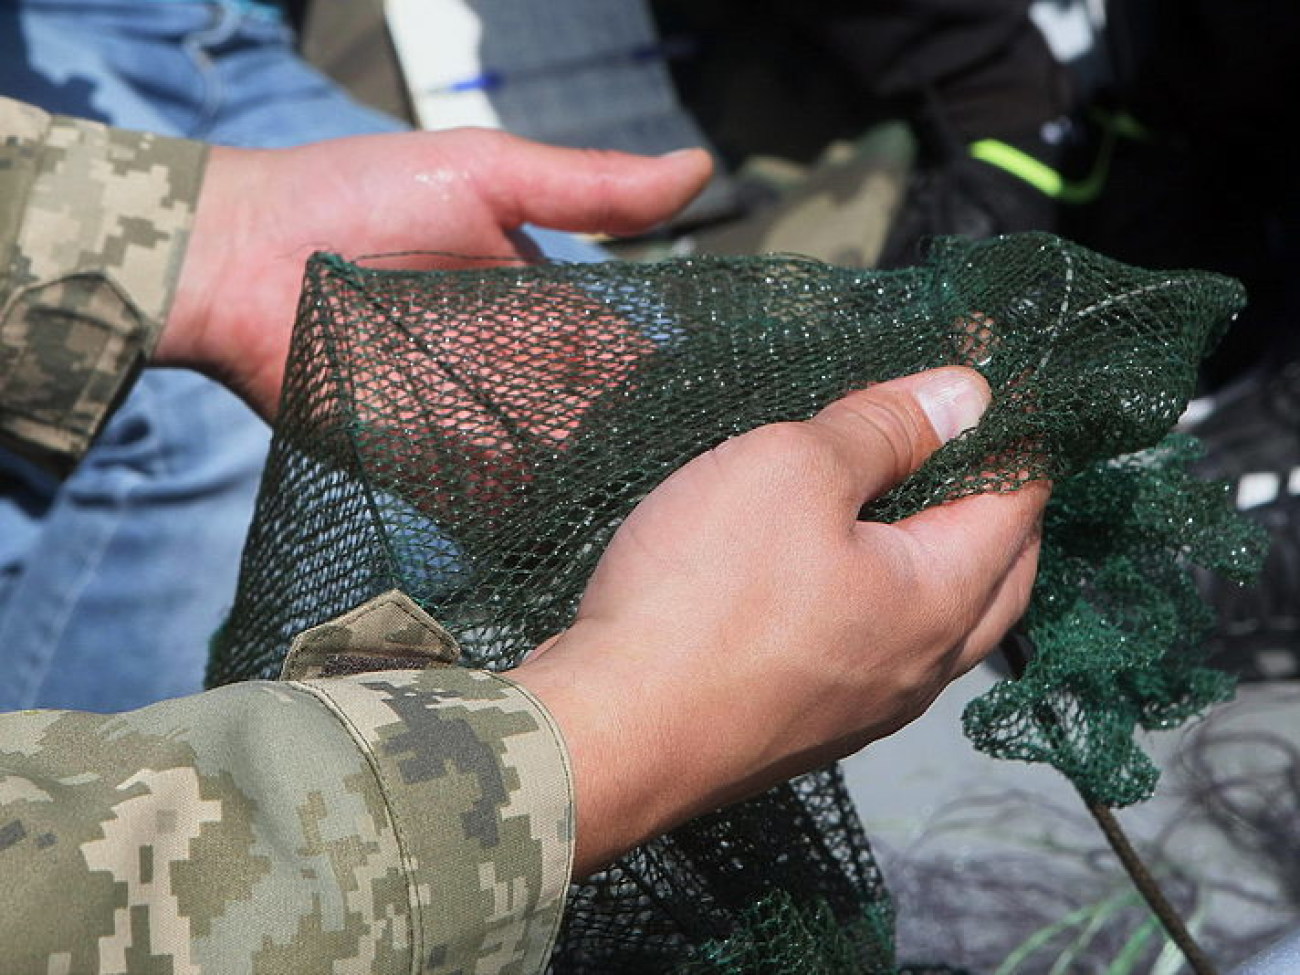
(247, 57)
(136, 554)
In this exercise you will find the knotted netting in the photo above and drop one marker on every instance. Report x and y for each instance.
(474, 437)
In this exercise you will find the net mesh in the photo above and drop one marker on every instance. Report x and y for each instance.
(474, 438)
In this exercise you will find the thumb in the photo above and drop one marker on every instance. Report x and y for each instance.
(588, 189)
(886, 431)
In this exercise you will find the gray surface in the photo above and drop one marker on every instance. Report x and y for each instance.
(936, 808)
(1281, 959)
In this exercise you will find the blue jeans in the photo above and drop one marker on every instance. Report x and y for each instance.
(112, 582)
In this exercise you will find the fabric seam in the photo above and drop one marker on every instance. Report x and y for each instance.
(399, 826)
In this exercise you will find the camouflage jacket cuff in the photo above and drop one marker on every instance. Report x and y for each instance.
(479, 788)
(94, 222)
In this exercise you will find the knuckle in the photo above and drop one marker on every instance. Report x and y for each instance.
(798, 450)
(897, 432)
(605, 187)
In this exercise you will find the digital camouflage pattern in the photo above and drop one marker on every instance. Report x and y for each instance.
(389, 632)
(409, 821)
(393, 821)
(93, 227)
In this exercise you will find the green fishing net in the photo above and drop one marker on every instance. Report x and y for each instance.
(474, 437)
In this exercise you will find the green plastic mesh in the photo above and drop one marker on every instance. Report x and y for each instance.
(1117, 622)
(474, 437)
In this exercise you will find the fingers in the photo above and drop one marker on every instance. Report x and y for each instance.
(1007, 604)
(586, 190)
(885, 432)
(978, 556)
(994, 528)
(968, 566)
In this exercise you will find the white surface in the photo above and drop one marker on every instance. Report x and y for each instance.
(437, 43)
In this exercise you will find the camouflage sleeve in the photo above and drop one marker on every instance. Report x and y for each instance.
(93, 227)
(405, 821)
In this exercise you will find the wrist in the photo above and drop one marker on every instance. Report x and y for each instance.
(633, 780)
(236, 293)
(183, 340)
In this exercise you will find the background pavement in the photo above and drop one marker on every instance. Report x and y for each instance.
(997, 865)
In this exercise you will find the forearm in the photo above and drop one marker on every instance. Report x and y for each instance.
(94, 224)
(391, 816)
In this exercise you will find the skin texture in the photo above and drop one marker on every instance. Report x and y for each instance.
(466, 192)
(743, 625)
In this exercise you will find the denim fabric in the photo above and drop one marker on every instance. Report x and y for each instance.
(111, 583)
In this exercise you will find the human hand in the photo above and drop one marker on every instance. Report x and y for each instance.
(466, 192)
(744, 627)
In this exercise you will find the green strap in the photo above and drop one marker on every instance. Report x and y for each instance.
(1047, 180)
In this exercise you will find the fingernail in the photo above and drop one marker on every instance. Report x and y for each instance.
(953, 401)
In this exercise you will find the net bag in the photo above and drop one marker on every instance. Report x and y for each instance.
(474, 438)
